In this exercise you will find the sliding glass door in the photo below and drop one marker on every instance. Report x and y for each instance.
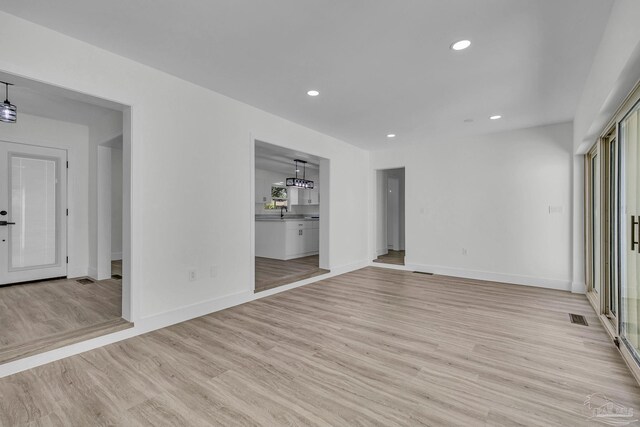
(612, 229)
(630, 232)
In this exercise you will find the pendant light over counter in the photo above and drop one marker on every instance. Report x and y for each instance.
(8, 111)
(300, 182)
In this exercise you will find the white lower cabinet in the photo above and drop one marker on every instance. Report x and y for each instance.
(294, 239)
(287, 239)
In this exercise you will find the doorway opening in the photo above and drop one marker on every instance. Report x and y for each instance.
(290, 232)
(64, 267)
(390, 214)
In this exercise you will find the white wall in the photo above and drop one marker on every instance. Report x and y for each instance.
(104, 128)
(116, 203)
(491, 196)
(381, 214)
(73, 138)
(183, 168)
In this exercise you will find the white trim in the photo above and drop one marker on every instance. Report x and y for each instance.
(540, 282)
(92, 272)
(163, 320)
(191, 311)
(390, 266)
(578, 288)
(347, 268)
(382, 251)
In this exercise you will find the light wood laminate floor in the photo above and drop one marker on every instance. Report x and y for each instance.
(373, 347)
(271, 273)
(39, 316)
(392, 257)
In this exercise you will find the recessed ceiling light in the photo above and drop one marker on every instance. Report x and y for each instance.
(391, 135)
(461, 45)
(496, 117)
(313, 93)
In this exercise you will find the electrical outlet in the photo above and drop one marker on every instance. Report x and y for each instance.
(464, 251)
(214, 271)
(192, 275)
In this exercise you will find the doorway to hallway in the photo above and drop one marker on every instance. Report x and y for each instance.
(390, 216)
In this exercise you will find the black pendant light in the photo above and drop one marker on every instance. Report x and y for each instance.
(8, 111)
(300, 182)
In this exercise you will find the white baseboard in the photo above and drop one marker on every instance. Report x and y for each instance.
(116, 256)
(578, 288)
(382, 251)
(192, 311)
(347, 268)
(72, 273)
(151, 323)
(92, 272)
(390, 266)
(540, 282)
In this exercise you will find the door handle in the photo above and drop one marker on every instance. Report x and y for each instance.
(6, 223)
(634, 242)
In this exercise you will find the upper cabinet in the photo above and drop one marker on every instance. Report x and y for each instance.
(302, 196)
(263, 186)
(296, 196)
(314, 195)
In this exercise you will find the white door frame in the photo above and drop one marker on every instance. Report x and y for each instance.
(378, 205)
(325, 183)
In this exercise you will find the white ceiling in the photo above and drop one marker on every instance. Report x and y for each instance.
(381, 66)
(279, 159)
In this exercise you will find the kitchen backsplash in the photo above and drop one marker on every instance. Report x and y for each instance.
(296, 209)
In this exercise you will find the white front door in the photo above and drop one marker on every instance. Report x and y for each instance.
(33, 221)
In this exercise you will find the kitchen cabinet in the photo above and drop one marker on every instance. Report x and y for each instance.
(313, 196)
(263, 187)
(311, 239)
(287, 239)
(295, 239)
(303, 196)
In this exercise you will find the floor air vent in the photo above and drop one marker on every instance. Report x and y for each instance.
(423, 272)
(116, 276)
(84, 281)
(578, 319)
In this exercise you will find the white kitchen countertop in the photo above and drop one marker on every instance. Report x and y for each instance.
(276, 218)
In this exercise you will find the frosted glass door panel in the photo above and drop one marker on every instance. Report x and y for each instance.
(33, 209)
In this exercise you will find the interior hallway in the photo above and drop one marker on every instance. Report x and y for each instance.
(391, 257)
(368, 347)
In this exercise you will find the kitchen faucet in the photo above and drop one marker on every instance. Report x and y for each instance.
(282, 213)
